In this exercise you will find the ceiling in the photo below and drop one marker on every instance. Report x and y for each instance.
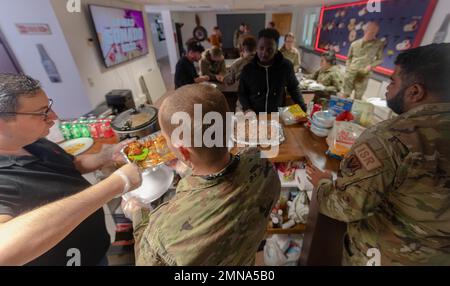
(230, 5)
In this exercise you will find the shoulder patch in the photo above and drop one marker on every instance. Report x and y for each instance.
(367, 157)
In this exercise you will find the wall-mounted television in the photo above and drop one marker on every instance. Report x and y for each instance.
(120, 32)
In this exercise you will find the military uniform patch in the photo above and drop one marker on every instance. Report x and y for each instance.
(352, 164)
(367, 157)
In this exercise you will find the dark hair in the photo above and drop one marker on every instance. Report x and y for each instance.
(270, 34)
(194, 46)
(216, 28)
(272, 24)
(13, 86)
(330, 57)
(248, 43)
(427, 65)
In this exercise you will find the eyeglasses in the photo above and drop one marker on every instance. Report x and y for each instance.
(44, 114)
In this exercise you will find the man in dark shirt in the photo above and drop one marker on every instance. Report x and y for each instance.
(264, 81)
(35, 172)
(185, 72)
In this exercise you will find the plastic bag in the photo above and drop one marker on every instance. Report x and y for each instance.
(363, 112)
(292, 114)
(342, 137)
(282, 250)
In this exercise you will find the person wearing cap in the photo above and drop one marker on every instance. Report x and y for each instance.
(44, 214)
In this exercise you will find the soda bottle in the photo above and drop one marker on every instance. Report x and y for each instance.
(108, 132)
(84, 129)
(93, 127)
(75, 129)
(65, 127)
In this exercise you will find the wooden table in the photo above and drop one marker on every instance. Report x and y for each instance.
(323, 238)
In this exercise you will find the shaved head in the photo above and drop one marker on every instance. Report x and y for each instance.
(183, 100)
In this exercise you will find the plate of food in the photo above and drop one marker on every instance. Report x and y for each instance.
(148, 152)
(77, 146)
(253, 132)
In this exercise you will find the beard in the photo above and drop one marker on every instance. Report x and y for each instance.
(397, 103)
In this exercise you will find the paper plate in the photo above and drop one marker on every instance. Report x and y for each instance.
(155, 183)
(77, 146)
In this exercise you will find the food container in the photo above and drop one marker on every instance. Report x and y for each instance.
(319, 131)
(246, 132)
(324, 119)
(148, 152)
(136, 122)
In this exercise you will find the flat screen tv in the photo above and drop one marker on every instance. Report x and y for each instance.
(120, 32)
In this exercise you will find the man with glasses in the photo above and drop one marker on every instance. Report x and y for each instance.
(35, 172)
(393, 188)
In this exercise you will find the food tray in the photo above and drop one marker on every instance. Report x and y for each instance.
(250, 139)
(158, 152)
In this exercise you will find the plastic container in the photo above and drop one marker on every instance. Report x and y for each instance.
(318, 131)
(324, 119)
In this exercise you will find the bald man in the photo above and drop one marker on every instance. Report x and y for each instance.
(364, 55)
(219, 213)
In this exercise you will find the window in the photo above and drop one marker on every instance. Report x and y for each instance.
(310, 23)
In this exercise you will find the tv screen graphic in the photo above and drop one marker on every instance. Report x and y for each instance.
(120, 32)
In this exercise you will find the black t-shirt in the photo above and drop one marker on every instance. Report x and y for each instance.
(185, 73)
(28, 182)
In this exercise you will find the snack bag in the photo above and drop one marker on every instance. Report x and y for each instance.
(342, 138)
(338, 105)
(292, 114)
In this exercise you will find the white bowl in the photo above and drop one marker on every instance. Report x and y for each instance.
(321, 132)
(324, 119)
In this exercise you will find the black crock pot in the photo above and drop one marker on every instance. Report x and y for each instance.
(136, 122)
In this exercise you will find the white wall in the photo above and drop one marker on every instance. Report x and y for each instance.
(70, 96)
(159, 46)
(441, 11)
(97, 79)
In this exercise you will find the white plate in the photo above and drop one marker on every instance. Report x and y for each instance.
(85, 144)
(154, 184)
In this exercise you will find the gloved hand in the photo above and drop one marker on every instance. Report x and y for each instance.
(131, 176)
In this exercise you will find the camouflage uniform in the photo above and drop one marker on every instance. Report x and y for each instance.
(218, 221)
(393, 190)
(330, 78)
(211, 68)
(292, 55)
(361, 55)
(235, 70)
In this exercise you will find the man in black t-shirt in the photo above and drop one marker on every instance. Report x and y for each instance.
(35, 172)
(185, 72)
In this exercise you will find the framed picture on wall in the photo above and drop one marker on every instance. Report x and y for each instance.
(402, 26)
